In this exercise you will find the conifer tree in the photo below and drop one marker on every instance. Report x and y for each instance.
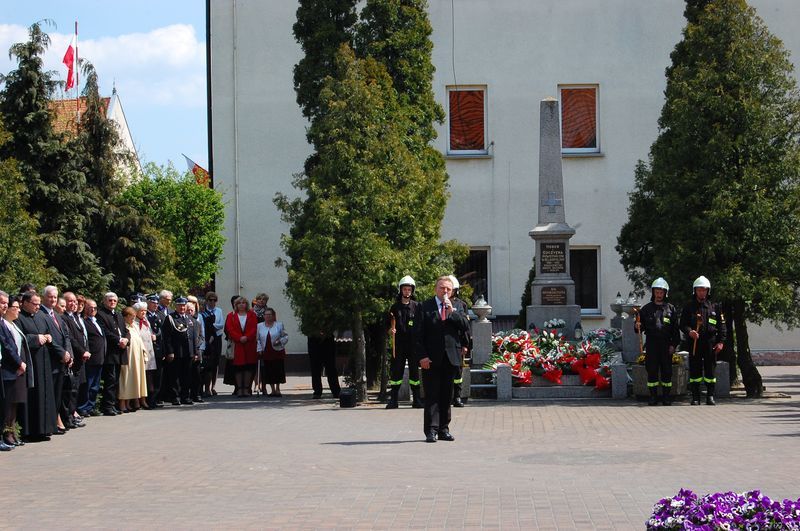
(720, 195)
(54, 183)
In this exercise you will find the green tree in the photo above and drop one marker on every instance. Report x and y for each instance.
(135, 253)
(350, 237)
(322, 26)
(719, 195)
(22, 259)
(53, 180)
(190, 214)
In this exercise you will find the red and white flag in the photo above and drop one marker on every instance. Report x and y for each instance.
(71, 60)
(200, 174)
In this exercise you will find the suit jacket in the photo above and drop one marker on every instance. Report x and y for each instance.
(156, 321)
(60, 345)
(97, 342)
(114, 329)
(180, 336)
(78, 342)
(439, 339)
(11, 356)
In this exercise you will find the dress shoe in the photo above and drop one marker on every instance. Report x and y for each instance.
(214, 392)
(5, 448)
(119, 411)
(187, 402)
(59, 431)
(457, 402)
(199, 400)
(316, 395)
(176, 402)
(37, 438)
(109, 413)
(77, 424)
(78, 418)
(19, 442)
(444, 435)
(430, 437)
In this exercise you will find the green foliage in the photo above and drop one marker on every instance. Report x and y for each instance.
(322, 27)
(720, 194)
(190, 214)
(54, 182)
(22, 259)
(136, 254)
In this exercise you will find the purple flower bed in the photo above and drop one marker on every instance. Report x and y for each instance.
(724, 510)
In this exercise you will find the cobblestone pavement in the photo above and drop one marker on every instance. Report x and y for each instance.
(295, 462)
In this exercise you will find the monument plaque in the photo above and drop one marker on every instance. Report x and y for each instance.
(553, 258)
(554, 296)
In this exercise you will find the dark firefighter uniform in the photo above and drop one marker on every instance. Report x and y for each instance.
(466, 339)
(702, 362)
(660, 324)
(405, 322)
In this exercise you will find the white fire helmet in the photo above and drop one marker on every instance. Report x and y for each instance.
(660, 283)
(407, 281)
(454, 280)
(701, 282)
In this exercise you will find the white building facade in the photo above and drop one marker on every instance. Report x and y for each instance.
(495, 60)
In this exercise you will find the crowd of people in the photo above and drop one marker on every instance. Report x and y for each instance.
(65, 357)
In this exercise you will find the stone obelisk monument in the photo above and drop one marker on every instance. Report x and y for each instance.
(553, 290)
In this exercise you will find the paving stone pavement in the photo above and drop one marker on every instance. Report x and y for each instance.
(298, 463)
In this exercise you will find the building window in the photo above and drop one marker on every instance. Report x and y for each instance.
(579, 119)
(475, 272)
(584, 269)
(467, 123)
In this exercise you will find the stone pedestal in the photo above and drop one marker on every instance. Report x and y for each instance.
(481, 342)
(504, 382)
(630, 339)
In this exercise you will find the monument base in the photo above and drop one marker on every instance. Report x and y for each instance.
(538, 314)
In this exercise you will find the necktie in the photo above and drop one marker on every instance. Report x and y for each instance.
(53, 315)
(443, 313)
(79, 322)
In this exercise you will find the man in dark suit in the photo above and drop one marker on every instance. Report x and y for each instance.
(438, 351)
(79, 343)
(156, 320)
(181, 348)
(60, 351)
(96, 342)
(117, 337)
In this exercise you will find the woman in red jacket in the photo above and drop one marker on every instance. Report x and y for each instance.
(241, 326)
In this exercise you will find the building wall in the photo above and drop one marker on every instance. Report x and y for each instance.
(521, 51)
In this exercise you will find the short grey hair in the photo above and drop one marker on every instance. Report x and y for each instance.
(4, 294)
(139, 306)
(48, 289)
(164, 293)
(110, 295)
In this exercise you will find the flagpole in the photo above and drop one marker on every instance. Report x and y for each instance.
(77, 83)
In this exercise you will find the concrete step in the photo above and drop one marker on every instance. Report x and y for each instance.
(559, 391)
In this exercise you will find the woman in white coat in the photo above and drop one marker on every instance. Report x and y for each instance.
(271, 342)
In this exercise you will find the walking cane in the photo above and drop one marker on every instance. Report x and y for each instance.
(392, 339)
(697, 329)
(639, 326)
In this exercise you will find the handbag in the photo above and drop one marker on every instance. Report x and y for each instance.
(229, 351)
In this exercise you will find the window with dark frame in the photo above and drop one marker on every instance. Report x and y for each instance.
(583, 270)
(579, 119)
(467, 121)
(475, 272)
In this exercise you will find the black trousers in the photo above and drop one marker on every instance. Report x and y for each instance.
(703, 363)
(58, 391)
(438, 384)
(326, 359)
(658, 362)
(399, 365)
(178, 375)
(110, 386)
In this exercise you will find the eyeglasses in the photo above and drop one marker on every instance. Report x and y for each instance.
(91, 308)
(211, 300)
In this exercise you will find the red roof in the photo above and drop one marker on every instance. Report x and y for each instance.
(64, 113)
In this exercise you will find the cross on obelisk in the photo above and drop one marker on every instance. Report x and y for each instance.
(553, 290)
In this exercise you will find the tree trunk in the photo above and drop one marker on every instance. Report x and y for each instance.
(360, 362)
(751, 378)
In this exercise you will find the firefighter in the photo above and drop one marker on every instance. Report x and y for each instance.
(658, 319)
(466, 342)
(403, 314)
(704, 325)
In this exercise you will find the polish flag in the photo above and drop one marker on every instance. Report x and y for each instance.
(70, 59)
(201, 176)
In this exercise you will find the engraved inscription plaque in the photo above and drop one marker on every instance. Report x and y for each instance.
(553, 258)
(554, 296)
